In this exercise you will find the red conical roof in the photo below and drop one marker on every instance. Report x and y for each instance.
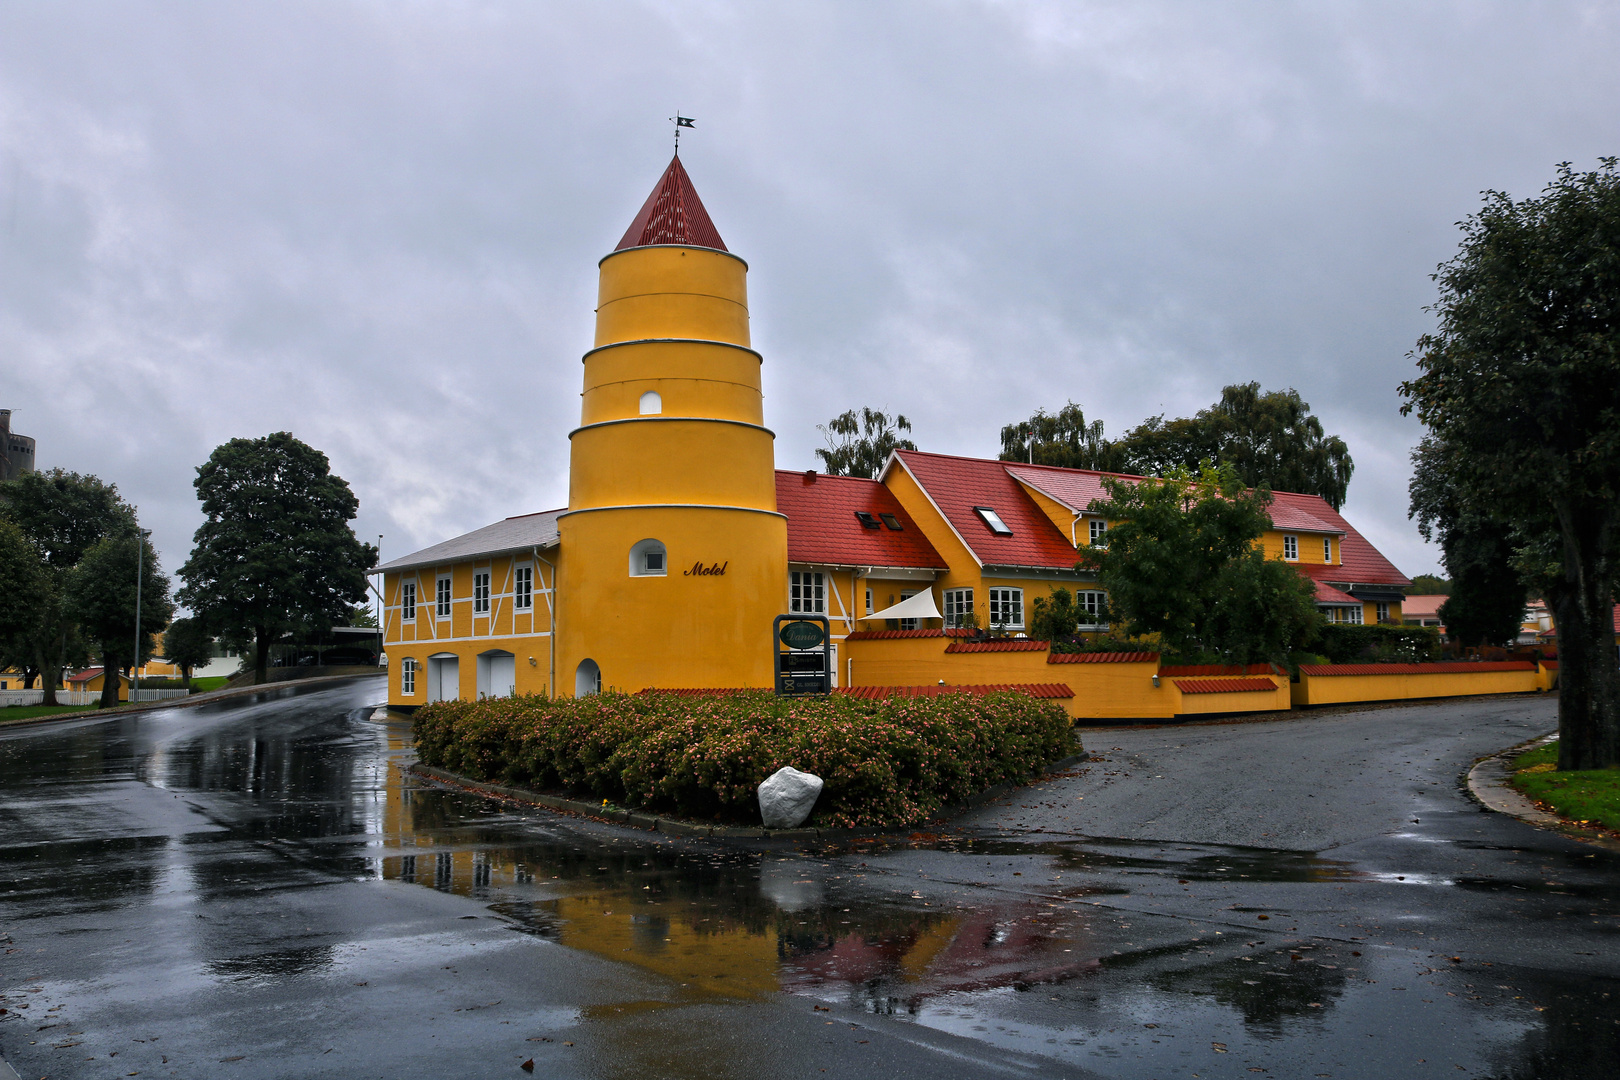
(672, 214)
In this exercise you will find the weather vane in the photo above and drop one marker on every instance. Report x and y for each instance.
(679, 121)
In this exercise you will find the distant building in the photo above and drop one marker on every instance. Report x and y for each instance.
(16, 451)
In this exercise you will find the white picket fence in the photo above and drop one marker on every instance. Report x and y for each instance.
(80, 697)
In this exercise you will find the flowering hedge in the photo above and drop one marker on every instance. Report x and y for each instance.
(888, 763)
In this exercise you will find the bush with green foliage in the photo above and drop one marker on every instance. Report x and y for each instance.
(889, 763)
(1346, 643)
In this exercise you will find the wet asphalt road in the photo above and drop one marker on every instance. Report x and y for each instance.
(252, 889)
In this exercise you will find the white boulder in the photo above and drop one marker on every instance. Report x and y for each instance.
(787, 796)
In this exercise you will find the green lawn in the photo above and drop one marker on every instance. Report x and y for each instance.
(27, 712)
(1591, 795)
(214, 682)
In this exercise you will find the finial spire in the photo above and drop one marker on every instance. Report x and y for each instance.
(680, 121)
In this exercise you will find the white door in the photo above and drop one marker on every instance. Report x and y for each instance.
(444, 678)
(497, 674)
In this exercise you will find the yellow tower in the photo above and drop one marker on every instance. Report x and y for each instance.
(674, 556)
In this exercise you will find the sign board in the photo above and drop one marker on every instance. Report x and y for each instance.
(800, 634)
(806, 665)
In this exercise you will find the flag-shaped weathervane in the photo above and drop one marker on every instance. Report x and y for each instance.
(680, 121)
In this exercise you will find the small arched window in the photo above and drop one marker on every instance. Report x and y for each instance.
(648, 558)
(651, 403)
(587, 679)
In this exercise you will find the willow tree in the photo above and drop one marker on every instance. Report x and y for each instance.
(1520, 390)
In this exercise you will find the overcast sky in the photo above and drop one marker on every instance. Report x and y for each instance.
(376, 225)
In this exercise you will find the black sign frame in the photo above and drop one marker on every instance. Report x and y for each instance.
(794, 676)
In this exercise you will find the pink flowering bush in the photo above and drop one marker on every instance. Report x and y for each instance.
(889, 763)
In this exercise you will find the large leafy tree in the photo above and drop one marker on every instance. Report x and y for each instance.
(860, 441)
(1182, 562)
(1520, 383)
(24, 598)
(1487, 592)
(101, 593)
(187, 645)
(1270, 438)
(1062, 438)
(276, 554)
(64, 514)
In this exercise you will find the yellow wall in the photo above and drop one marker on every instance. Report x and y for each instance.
(1336, 689)
(1241, 701)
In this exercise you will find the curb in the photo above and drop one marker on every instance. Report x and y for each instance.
(175, 703)
(1488, 784)
(678, 827)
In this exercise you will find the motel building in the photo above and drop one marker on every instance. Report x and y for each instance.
(682, 542)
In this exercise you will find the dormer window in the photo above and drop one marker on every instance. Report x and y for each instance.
(867, 520)
(992, 520)
(892, 522)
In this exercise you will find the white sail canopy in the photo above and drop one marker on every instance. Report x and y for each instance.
(920, 606)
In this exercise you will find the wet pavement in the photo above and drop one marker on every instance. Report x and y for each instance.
(253, 889)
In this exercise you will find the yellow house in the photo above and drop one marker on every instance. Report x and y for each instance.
(681, 541)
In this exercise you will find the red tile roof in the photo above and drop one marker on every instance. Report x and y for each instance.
(85, 676)
(958, 484)
(1359, 562)
(823, 528)
(1224, 686)
(889, 635)
(1010, 645)
(1423, 606)
(1103, 658)
(875, 693)
(1327, 594)
(1218, 669)
(672, 214)
(1076, 488)
(1459, 667)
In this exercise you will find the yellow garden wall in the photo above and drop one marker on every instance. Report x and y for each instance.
(1333, 688)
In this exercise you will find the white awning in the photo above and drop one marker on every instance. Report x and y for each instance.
(920, 606)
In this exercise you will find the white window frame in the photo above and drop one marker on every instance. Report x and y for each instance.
(992, 520)
(643, 550)
(1327, 549)
(1355, 615)
(955, 603)
(909, 624)
(869, 607)
(407, 677)
(1381, 610)
(407, 600)
(1003, 597)
(1099, 533)
(523, 587)
(1093, 602)
(807, 592)
(443, 596)
(481, 592)
(1291, 548)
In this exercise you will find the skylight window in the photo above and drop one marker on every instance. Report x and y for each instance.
(892, 522)
(867, 520)
(993, 520)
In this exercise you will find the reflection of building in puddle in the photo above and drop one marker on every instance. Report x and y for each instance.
(281, 964)
(787, 884)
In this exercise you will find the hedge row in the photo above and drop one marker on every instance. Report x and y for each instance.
(889, 763)
(1345, 643)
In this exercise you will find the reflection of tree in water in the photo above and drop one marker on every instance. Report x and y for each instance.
(1579, 1036)
(1269, 990)
(281, 964)
(83, 875)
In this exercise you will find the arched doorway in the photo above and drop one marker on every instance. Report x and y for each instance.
(497, 674)
(443, 677)
(587, 679)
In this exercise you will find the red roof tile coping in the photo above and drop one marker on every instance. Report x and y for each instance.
(672, 214)
(1457, 667)
(1551, 665)
(1103, 658)
(877, 693)
(1224, 686)
(998, 646)
(890, 635)
(1218, 669)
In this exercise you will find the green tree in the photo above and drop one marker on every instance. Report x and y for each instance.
(1486, 591)
(1062, 438)
(859, 442)
(1181, 562)
(188, 645)
(1520, 383)
(1429, 585)
(275, 554)
(64, 514)
(1055, 617)
(24, 598)
(101, 596)
(1270, 439)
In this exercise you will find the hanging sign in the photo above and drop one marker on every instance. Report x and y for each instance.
(801, 635)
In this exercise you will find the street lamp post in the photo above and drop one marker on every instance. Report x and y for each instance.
(135, 659)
